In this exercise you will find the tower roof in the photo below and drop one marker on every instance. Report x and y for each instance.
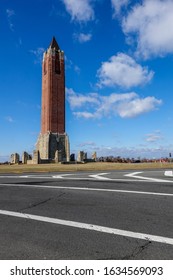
(54, 44)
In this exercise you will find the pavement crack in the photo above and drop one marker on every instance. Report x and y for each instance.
(58, 196)
(36, 204)
(137, 251)
(41, 202)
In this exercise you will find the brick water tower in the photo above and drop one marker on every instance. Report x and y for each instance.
(53, 142)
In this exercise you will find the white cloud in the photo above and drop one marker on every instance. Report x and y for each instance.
(122, 70)
(126, 105)
(82, 37)
(20, 42)
(118, 5)
(85, 115)
(154, 137)
(70, 65)
(86, 144)
(10, 14)
(137, 107)
(78, 100)
(38, 53)
(152, 24)
(79, 10)
(76, 69)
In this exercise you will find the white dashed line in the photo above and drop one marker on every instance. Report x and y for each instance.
(92, 227)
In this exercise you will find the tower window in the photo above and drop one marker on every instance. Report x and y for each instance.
(57, 65)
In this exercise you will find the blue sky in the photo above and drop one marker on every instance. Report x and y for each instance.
(119, 74)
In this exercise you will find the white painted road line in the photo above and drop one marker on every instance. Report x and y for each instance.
(168, 173)
(100, 176)
(61, 176)
(76, 178)
(97, 228)
(87, 189)
(135, 175)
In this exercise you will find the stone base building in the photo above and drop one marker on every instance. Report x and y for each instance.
(82, 156)
(15, 158)
(53, 147)
(26, 157)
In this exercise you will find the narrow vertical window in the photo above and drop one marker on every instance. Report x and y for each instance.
(57, 65)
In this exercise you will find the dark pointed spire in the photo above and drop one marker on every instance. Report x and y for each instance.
(54, 44)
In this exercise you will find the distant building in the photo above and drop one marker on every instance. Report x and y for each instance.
(53, 142)
(82, 156)
(94, 156)
(25, 157)
(72, 157)
(15, 158)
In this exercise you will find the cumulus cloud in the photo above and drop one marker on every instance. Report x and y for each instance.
(122, 70)
(78, 100)
(81, 11)
(137, 106)
(126, 105)
(152, 24)
(82, 37)
(117, 5)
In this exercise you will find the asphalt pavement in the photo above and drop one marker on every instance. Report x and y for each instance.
(87, 215)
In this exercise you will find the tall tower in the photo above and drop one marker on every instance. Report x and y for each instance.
(53, 142)
(53, 90)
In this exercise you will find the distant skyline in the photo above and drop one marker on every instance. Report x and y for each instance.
(119, 74)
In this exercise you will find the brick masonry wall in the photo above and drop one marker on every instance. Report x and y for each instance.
(53, 93)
